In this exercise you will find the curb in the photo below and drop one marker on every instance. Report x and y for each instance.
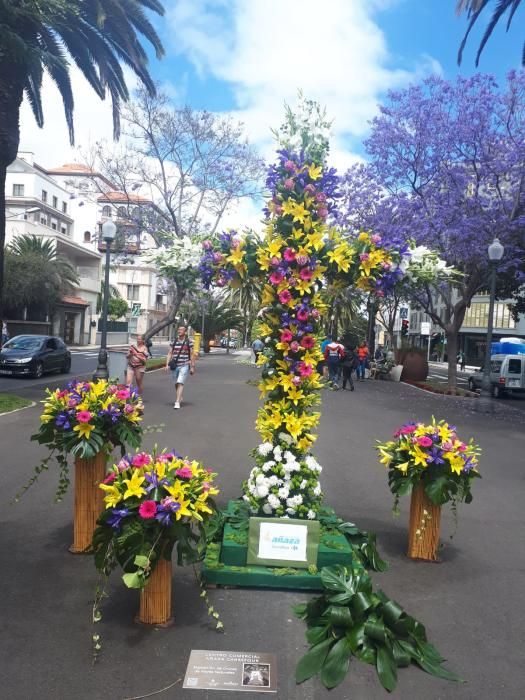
(15, 410)
(472, 395)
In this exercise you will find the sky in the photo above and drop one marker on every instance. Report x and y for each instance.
(248, 57)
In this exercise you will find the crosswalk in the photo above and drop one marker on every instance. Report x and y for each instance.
(85, 353)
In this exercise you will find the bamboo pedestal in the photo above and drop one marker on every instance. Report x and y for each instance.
(424, 526)
(155, 598)
(89, 500)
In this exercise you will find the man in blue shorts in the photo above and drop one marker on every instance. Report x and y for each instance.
(180, 361)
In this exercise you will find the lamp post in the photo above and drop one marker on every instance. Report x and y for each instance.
(204, 303)
(495, 253)
(108, 234)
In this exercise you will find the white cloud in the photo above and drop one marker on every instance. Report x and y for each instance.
(267, 49)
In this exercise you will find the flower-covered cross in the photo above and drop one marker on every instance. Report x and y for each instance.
(299, 254)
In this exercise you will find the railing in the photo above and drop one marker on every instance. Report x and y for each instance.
(114, 326)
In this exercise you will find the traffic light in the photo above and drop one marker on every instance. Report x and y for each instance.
(404, 327)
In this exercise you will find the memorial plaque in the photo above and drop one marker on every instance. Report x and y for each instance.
(231, 670)
(283, 542)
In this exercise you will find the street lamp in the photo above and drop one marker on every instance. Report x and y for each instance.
(204, 304)
(495, 253)
(108, 234)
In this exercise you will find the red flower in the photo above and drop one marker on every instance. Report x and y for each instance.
(308, 342)
(284, 296)
(147, 509)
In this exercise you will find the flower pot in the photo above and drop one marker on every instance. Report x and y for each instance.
(395, 373)
(155, 597)
(415, 367)
(89, 500)
(424, 526)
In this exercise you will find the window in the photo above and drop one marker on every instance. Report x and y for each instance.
(106, 211)
(18, 190)
(477, 315)
(55, 202)
(51, 344)
(87, 237)
(63, 229)
(44, 196)
(54, 225)
(43, 220)
(122, 213)
(514, 366)
(133, 292)
(64, 207)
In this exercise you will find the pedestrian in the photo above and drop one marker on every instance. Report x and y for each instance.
(137, 358)
(5, 333)
(149, 345)
(322, 366)
(334, 354)
(461, 360)
(379, 355)
(363, 355)
(180, 361)
(257, 347)
(349, 363)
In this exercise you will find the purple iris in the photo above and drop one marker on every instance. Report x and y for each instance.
(434, 455)
(62, 421)
(468, 465)
(165, 511)
(117, 514)
(154, 481)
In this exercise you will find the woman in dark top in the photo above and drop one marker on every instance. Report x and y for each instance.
(349, 363)
(137, 357)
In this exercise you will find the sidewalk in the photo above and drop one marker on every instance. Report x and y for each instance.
(444, 365)
(471, 603)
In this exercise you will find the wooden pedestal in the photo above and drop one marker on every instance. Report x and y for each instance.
(424, 526)
(155, 598)
(89, 500)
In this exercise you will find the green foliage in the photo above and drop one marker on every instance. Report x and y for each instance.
(350, 619)
(219, 316)
(117, 308)
(9, 402)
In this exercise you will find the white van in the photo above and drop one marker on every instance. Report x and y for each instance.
(507, 375)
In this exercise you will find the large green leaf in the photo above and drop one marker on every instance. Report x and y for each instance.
(435, 669)
(436, 490)
(386, 668)
(340, 616)
(314, 635)
(312, 661)
(336, 664)
(134, 580)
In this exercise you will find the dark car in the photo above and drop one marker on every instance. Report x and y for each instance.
(33, 355)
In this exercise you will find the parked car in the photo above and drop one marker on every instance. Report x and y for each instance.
(34, 355)
(507, 375)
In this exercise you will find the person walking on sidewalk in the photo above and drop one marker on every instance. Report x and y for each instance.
(181, 361)
(363, 353)
(257, 347)
(137, 357)
(461, 360)
(334, 354)
(349, 363)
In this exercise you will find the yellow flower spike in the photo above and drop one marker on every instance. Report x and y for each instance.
(134, 487)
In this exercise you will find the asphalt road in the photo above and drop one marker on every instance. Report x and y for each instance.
(471, 603)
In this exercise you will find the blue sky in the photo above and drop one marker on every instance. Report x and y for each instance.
(246, 57)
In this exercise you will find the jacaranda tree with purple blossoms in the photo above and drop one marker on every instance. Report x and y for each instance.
(451, 158)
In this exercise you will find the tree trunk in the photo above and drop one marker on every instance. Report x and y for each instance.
(169, 318)
(11, 92)
(452, 351)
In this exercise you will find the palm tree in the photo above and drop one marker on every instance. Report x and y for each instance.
(474, 8)
(247, 298)
(219, 316)
(36, 276)
(46, 36)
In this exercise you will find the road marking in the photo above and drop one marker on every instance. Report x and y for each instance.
(85, 354)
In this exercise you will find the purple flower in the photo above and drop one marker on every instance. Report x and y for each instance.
(434, 455)
(62, 421)
(117, 514)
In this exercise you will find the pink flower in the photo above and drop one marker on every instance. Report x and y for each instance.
(275, 261)
(320, 197)
(289, 165)
(276, 277)
(110, 478)
(286, 336)
(62, 393)
(294, 346)
(122, 394)
(315, 314)
(305, 370)
(302, 315)
(220, 282)
(364, 256)
(424, 441)
(184, 472)
(217, 257)
(305, 273)
(308, 342)
(141, 460)
(310, 188)
(147, 509)
(278, 209)
(206, 486)
(84, 416)
(447, 446)
(207, 244)
(128, 408)
(379, 293)
(289, 255)
(285, 296)
(375, 238)
(302, 259)
(461, 447)
(72, 403)
(289, 183)
(296, 381)
(322, 213)
(123, 465)
(386, 265)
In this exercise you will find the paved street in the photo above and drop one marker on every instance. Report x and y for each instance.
(471, 603)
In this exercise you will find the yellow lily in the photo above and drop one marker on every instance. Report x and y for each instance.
(113, 495)
(315, 171)
(84, 430)
(134, 487)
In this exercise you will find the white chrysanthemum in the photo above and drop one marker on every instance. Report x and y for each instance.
(273, 480)
(310, 515)
(274, 501)
(246, 498)
(284, 437)
(262, 491)
(283, 492)
(265, 448)
(312, 463)
(303, 484)
(290, 511)
(277, 453)
(267, 508)
(317, 490)
(268, 465)
(260, 479)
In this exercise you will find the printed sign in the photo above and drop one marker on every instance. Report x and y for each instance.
(425, 328)
(283, 542)
(135, 309)
(403, 312)
(231, 670)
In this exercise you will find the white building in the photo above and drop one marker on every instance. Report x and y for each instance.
(37, 204)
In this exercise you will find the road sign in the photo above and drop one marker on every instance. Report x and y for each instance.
(425, 328)
(135, 309)
(403, 312)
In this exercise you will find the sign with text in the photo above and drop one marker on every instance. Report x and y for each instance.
(425, 328)
(231, 670)
(283, 542)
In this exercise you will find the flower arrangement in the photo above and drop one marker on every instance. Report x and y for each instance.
(152, 502)
(434, 456)
(87, 418)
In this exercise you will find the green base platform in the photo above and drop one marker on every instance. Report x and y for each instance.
(225, 563)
